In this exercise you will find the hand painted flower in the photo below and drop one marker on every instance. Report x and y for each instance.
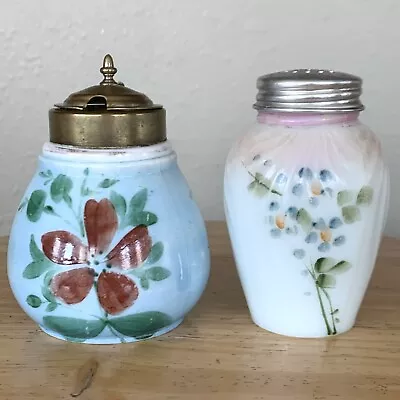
(115, 291)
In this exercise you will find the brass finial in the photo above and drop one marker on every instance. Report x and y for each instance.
(108, 70)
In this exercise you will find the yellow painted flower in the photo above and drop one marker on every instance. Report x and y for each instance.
(316, 188)
(326, 235)
(280, 221)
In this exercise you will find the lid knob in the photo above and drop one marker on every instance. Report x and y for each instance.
(108, 70)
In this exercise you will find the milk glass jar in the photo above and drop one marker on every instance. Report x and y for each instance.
(108, 245)
(306, 197)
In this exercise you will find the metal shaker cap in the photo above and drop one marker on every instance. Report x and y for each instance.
(309, 90)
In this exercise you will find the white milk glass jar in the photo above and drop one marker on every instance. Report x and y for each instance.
(306, 197)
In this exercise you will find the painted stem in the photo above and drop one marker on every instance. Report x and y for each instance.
(328, 328)
(83, 187)
(79, 221)
(313, 276)
(334, 331)
(137, 272)
(262, 183)
(64, 220)
(69, 223)
(82, 228)
(117, 334)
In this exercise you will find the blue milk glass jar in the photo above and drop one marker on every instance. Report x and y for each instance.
(108, 245)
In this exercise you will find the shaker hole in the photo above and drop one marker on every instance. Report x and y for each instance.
(97, 103)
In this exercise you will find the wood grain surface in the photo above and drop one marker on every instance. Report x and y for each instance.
(217, 353)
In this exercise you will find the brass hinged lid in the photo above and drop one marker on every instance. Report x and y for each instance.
(108, 115)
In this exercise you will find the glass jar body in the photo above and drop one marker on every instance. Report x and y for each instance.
(306, 198)
(108, 246)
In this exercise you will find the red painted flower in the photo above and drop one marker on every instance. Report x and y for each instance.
(115, 291)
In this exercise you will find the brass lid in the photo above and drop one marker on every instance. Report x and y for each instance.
(107, 115)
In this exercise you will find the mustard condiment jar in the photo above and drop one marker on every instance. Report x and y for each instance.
(108, 245)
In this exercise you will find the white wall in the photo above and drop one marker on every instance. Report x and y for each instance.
(198, 58)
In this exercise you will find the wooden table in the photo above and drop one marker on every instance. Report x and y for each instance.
(217, 353)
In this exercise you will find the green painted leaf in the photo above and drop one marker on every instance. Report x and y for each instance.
(119, 204)
(60, 187)
(49, 210)
(51, 307)
(34, 301)
(304, 219)
(344, 197)
(136, 214)
(157, 273)
(340, 267)
(36, 205)
(258, 189)
(326, 281)
(156, 253)
(276, 192)
(74, 327)
(48, 277)
(365, 195)
(85, 191)
(144, 218)
(260, 178)
(324, 264)
(261, 186)
(141, 324)
(35, 269)
(351, 214)
(106, 183)
(138, 202)
(46, 292)
(36, 253)
(47, 174)
(144, 283)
